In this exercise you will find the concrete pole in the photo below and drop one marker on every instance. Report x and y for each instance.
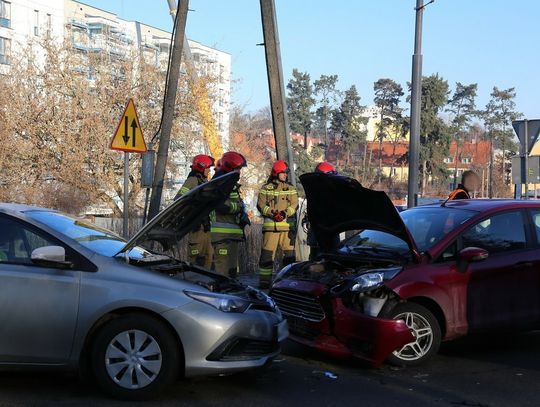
(168, 108)
(416, 93)
(278, 101)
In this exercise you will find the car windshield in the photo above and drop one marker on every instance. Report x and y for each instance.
(99, 240)
(426, 225)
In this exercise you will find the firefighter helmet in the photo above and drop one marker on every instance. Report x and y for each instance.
(279, 167)
(325, 168)
(231, 160)
(201, 162)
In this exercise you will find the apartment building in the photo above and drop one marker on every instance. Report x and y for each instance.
(90, 30)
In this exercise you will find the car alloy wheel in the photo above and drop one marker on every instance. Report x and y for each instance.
(133, 359)
(425, 329)
(423, 335)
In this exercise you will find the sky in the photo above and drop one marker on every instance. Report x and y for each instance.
(489, 42)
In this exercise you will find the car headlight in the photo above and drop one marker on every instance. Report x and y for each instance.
(374, 279)
(225, 303)
(284, 271)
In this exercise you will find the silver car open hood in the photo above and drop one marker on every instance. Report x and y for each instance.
(183, 215)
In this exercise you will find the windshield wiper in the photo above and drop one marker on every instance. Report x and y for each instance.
(376, 250)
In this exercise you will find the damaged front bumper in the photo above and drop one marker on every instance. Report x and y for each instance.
(337, 329)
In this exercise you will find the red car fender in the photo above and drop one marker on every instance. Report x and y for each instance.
(452, 303)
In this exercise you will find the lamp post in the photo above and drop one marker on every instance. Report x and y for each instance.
(416, 93)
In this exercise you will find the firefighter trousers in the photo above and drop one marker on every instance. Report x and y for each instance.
(200, 248)
(272, 241)
(226, 257)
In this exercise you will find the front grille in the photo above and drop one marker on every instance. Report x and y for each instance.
(298, 304)
(244, 349)
(300, 327)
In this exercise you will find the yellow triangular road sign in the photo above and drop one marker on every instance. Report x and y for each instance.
(128, 135)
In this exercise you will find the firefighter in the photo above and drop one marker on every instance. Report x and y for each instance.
(469, 183)
(229, 219)
(323, 168)
(200, 244)
(278, 203)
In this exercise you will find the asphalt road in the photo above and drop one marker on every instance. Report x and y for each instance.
(478, 371)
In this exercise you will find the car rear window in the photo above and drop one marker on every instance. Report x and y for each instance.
(430, 225)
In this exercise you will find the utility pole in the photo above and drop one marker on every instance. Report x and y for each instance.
(416, 92)
(168, 109)
(278, 102)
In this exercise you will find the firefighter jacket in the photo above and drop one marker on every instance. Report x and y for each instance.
(229, 219)
(193, 180)
(276, 196)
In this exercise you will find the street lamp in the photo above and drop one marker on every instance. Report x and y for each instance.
(416, 91)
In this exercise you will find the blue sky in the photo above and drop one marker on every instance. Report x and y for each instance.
(491, 42)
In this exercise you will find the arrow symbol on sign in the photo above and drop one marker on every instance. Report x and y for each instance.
(125, 136)
(133, 131)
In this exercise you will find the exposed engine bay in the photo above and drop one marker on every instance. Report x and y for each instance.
(345, 277)
(209, 280)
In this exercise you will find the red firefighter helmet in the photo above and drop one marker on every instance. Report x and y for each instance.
(201, 162)
(325, 168)
(279, 167)
(231, 161)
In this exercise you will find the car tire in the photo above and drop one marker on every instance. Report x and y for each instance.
(426, 330)
(134, 357)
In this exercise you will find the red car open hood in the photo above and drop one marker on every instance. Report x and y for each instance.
(336, 203)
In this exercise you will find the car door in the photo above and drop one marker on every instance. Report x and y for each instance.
(38, 305)
(503, 289)
(535, 225)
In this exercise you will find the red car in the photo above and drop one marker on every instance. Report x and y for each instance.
(405, 282)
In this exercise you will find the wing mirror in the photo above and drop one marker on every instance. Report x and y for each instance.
(471, 255)
(51, 256)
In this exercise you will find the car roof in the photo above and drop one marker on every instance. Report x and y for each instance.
(482, 205)
(21, 208)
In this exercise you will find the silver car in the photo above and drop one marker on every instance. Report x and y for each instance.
(78, 297)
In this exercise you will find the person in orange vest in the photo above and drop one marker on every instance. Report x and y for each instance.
(469, 183)
(278, 203)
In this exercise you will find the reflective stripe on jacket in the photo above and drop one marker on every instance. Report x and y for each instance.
(225, 218)
(276, 196)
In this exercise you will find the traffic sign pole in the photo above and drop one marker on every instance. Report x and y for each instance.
(126, 195)
(526, 130)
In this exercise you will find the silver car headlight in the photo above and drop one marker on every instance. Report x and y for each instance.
(374, 279)
(225, 303)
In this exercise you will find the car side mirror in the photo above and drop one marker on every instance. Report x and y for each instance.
(471, 255)
(51, 256)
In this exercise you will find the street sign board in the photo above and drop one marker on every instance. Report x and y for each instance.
(531, 128)
(533, 173)
(128, 136)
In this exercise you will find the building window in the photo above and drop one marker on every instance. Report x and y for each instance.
(5, 50)
(448, 160)
(49, 22)
(5, 14)
(220, 121)
(466, 160)
(36, 23)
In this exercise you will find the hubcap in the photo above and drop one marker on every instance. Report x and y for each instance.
(133, 359)
(423, 335)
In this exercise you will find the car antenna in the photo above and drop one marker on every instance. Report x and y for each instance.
(443, 205)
